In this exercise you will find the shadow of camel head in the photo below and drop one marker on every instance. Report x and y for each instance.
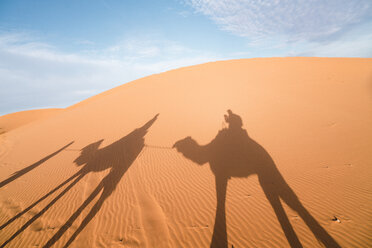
(232, 153)
(86, 153)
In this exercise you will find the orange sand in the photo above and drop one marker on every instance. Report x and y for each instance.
(103, 173)
(18, 119)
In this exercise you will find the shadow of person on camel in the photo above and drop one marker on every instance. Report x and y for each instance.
(232, 153)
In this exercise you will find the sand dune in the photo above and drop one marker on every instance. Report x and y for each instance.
(14, 120)
(159, 162)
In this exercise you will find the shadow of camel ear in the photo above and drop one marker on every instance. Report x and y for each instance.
(183, 142)
(87, 152)
(177, 144)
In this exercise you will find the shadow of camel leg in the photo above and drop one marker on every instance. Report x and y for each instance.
(319, 232)
(38, 201)
(277, 206)
(87, 219)
(73, 217)
(219, 238)
(35, 217)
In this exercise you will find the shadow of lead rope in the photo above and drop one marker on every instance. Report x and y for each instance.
(33, 166)
(159, 147)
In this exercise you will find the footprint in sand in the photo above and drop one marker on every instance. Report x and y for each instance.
(153, 220)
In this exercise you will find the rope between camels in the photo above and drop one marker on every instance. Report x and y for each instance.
(158, 147)
(146, 145)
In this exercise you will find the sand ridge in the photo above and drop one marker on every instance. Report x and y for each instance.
(14, 120)
(104, 173)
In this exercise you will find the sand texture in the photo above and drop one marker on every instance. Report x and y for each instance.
(14, 120)
(161, 162)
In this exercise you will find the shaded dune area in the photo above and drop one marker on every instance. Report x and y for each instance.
(272, 152)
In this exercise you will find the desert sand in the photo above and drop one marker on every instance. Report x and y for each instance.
(14, 120)
(161, 162)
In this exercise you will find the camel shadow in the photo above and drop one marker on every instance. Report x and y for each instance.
(117, 157)
(232, 153)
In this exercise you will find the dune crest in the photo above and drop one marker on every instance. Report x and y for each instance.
(14, 120)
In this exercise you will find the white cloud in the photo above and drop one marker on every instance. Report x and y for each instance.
(347, 47)
(36, 74)
(147, 48)
(85, 92)
(293, 20)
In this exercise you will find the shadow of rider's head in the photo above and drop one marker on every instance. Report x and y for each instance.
(234, 121)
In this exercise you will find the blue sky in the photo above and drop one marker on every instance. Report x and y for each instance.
(56, 53)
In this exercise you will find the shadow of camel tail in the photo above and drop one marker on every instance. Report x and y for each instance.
(31, 167)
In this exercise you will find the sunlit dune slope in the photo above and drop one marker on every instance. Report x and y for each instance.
(294, 153)
(15, 120)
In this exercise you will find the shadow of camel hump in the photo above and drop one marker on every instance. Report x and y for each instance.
(232, 153)
(117, 157)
